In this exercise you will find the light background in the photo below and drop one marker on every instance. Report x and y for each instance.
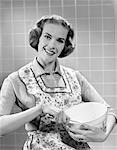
(95, 24)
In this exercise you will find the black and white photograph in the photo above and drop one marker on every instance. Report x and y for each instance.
(58, 74)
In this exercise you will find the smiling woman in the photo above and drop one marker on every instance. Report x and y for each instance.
(56, 20)
(51, 42)
(44, 89)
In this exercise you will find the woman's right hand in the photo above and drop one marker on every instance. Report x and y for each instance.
(46, 109)
(60, 116)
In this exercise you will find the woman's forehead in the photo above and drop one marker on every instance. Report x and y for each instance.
(55, 29)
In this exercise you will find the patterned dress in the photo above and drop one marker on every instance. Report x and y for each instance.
(49, 134)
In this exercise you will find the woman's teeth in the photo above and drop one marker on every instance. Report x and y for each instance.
(49, 52)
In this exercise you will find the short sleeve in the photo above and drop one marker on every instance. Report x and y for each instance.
(90, 94)
(7, 97)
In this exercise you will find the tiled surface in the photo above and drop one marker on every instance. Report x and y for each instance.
(95, 27)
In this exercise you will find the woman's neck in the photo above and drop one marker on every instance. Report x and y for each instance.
(48, 66)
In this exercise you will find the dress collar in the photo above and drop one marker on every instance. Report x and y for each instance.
(39, 70)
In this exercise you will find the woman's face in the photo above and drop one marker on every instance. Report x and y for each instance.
(51, 42)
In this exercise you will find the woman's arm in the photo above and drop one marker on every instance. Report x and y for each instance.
(90, 94)
(10, 122)
(111, 121)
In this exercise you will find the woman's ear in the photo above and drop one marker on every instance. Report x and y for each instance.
(68, 49)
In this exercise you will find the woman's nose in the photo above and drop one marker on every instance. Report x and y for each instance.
(52, 44)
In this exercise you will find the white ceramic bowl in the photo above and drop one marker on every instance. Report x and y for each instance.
(91, 113)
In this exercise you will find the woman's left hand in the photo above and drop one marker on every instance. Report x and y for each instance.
(87, 133)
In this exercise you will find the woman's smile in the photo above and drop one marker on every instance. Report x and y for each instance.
(49, 51)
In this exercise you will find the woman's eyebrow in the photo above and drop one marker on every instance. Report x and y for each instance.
(60, 38)
(47, 34)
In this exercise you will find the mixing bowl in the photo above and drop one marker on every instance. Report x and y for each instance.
(90, 113)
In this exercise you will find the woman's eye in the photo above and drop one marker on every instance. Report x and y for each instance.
(47, 37)
(60, 41)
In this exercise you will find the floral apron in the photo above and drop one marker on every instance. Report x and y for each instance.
(50, 135)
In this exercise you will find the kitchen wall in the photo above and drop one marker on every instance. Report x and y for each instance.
(95, 55)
